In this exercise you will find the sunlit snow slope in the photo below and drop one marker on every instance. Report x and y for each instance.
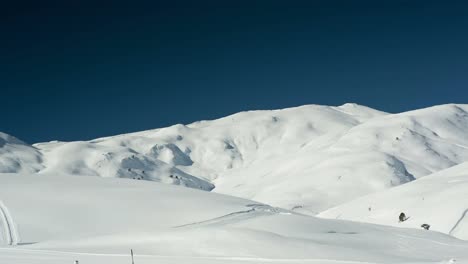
(53, 220)
(440, 200)
(307, 158)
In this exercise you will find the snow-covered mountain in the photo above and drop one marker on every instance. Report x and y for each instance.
(307, 158)
(268, 172)
(17, 156)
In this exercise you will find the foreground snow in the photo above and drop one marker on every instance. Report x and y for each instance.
(94, 220)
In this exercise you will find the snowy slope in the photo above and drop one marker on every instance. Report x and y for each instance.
(61, 207)
(117, 159)
(207, 148)
(17, 156)
(345, 163)
(309, 158)
(62, 219)
(375, 155)
(440, 200)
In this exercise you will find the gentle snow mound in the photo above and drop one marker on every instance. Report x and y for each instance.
(440, 200)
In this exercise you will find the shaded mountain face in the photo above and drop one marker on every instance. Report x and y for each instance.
(309, 158)
(17, 156)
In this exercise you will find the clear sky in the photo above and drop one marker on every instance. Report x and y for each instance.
(75, 71)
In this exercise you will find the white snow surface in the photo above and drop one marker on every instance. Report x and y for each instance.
(440, 200)
(59, 219)
(64, 200)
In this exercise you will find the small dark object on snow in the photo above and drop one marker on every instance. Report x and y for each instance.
(171, 176)
(403, 217)
(425, 226)
(129, 169)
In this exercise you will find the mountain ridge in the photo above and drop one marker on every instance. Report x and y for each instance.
(309, 157)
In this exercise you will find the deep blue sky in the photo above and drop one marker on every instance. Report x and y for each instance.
(76, 71)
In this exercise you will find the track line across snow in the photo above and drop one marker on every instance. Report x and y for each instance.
(11, 233)
(458, 222)
(237, 216)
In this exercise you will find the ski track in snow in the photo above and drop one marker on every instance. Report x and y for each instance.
(11, 234)
(458, 222)
(218, 219)
(240, 215)
(6, 228)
